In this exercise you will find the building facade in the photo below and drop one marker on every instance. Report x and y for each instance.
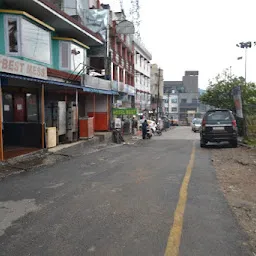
(172, 105)
(44, 82)
(142, 58)
(122, 63)
(186, 92)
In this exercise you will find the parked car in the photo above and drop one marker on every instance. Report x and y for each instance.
(217, 126)
(196, 124)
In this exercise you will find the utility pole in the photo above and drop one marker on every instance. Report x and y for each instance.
(158, 92)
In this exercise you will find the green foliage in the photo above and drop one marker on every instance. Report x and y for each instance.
(251, 126)
(219, 92)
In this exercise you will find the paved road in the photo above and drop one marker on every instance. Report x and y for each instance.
(156, 197)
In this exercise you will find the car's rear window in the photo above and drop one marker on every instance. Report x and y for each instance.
(218, 116)
(198, 121)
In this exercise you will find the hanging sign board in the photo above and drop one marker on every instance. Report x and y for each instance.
(118, 123)
(124, 111)
(23, 68)
(238, 101)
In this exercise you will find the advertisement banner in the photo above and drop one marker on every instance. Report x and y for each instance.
(238, 101)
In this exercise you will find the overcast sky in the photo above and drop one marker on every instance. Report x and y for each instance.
(197, 35)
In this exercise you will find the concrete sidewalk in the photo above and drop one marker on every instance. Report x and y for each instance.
(48, 157)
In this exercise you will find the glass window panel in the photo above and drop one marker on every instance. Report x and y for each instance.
(35, 42)
(65, 55)
(13, 34)
(77, 57)
(32, 107)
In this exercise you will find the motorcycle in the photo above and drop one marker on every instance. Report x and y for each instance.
(158, 131)
(149, 133)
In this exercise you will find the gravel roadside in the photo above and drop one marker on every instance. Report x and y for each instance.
(236, 172)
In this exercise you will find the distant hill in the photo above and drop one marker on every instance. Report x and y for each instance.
(201, 91)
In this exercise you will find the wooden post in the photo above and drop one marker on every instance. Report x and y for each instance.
(1, 124)
(42, 116)
(108, 111)
(77, 114)
(66, 96)
(94, 110)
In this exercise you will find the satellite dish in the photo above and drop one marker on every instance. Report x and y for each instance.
(125, 27)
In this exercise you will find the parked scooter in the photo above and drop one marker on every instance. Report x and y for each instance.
(149, 133)
(158, 130)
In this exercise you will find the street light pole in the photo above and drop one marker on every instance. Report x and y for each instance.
(245, 46)
(158, 92)
(245, 65)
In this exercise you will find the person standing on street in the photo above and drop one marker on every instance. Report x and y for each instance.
(144, 129)
(134, 126)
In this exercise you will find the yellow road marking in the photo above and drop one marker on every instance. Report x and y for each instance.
(173, 244)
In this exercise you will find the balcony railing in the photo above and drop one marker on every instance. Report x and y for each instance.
(96, 82)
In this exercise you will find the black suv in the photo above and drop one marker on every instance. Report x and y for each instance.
(218, 125)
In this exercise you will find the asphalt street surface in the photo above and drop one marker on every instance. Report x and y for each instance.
(156, 197)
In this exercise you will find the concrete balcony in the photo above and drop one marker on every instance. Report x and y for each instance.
(114, 85)
(121, 87)
(117, 58)
(96, 83)
(122, 62)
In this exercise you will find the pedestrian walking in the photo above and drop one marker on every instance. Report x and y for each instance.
(144, 129)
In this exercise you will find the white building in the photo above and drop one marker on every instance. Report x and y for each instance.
(142, 58)
(171, 105)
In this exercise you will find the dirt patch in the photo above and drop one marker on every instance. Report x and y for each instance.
(27, 164)
(236, 172)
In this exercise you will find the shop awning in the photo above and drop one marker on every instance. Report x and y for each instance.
(100, 91)
(40, 80)
(85, 89)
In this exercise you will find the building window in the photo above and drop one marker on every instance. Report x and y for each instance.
(25, 39)
(183, 100)
(12, 34)
(32, 107)
(174, 109)
(77, 58)
(194, 101)
(166, 110)
(64, 55)
(72, 57)
(36, 42)
(174, 100)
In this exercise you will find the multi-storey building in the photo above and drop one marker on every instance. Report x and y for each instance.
(172, 105)
(187, 92)
(122, 63)
(43, 53)
(142, 58)
(114, 60)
